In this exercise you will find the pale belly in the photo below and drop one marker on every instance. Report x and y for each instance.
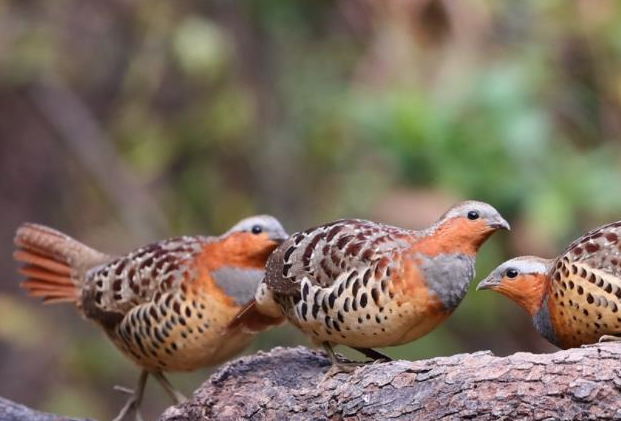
(380, 322)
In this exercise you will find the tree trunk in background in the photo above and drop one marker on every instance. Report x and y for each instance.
(289, 384)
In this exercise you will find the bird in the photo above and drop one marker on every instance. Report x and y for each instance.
(573, 299)
(166, 305)
(364, 284)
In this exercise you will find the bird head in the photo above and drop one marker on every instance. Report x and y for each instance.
(255, 235)
(262, 226)
(468, 224)
(522, 279)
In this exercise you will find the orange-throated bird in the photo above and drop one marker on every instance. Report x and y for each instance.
(165, 305)
(574, 299)
(364, 284)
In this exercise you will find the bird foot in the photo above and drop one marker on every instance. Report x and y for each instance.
(131, 405)
(344, 367)
(123, 389)
(179, 397)
(341, 367)
(610, 338)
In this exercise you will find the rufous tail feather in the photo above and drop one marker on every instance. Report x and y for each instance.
(53, 263)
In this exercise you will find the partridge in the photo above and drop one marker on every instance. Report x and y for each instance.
(364, 284)
(166, 305)
(574, 299)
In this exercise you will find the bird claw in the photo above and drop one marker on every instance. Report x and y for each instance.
(133, 401)
(130, 406)
(345, 367)
(609, 338)
(338, 368)
(179, 398)
(124, 389)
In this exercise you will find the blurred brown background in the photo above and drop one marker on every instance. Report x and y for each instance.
(127, 121)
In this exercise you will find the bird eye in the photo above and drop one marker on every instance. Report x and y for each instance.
(472, 215)
(511, 273)
(257, 229)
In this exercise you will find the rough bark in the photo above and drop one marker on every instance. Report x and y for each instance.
(289, 384)
(11, 411)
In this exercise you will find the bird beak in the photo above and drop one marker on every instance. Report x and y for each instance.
(279, 238)
(488, 283)
(500, 223)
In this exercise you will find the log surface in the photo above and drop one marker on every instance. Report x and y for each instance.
(289, 384)
(11, 411)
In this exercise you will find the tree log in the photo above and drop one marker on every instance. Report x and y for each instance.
(289, 384)
(11, 411)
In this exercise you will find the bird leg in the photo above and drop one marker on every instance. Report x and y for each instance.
(338, 366)
(609, 338)
(174, 394)
(373, 354)
(135, 398)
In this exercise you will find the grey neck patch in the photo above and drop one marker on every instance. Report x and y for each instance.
(541, 320)
(448, 276)
(239, 284)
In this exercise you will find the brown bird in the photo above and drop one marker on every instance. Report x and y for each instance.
(364, 284)
(166, 305)
(574, 299)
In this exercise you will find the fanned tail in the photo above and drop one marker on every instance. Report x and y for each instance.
(52, 262)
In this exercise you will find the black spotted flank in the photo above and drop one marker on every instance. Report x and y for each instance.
(366, 277)
(346, 304)
(363, 300)
(351, 278)
(355, 287)
(324, 305)
(341, 289)
(331, 299)
(375, 295)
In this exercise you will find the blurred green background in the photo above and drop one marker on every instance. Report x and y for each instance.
(124, 122)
